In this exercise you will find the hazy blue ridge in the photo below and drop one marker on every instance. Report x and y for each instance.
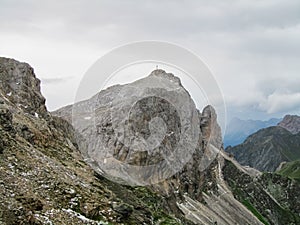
(238, 130)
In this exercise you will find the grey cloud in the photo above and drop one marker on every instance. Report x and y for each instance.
(164, 17)
(271, 96)
(279, 85)
(255, 40)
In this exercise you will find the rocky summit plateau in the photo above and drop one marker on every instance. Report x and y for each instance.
(51, 173)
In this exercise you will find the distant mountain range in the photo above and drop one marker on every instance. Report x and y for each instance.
(238, 130)
(267, 148)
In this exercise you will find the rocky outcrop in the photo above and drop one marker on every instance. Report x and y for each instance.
(20, 87)
(291, 123)
(210, 128)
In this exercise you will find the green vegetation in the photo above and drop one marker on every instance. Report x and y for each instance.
(254, 211)
(144, 203)
(155, 204)
(272, 193)
(291, 170)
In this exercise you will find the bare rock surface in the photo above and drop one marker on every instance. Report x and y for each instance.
(291, 123)
(19, 85)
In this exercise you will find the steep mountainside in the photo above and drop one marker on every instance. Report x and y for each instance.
(238, 130)
(45, 180)
(267, 148)
(291, 123)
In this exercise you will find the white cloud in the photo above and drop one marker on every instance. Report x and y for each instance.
(281, 102)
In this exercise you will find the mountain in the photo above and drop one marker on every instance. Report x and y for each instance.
(238, 130)
(291, 123)
(46, 177)
(266, 149)
(211, 188)
(159, 95)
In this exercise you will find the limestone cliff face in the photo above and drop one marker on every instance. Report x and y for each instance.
(291, 123)
(157, 116)
(19, 85)
(210, 128)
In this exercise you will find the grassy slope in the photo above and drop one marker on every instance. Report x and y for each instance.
(291, 170)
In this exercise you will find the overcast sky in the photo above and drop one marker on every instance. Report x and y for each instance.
(252, 47)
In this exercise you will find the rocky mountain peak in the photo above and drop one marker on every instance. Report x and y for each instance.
(210, 128)
(291, 123)
(144, 125)
(19, 86)
(164, 74)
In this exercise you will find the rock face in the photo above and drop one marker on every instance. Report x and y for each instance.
(45, 180)
(210, 128)
(291, 123)
(19, 85)
(137, 132)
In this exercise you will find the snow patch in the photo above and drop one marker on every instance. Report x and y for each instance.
(43, 219)
(82, 217)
